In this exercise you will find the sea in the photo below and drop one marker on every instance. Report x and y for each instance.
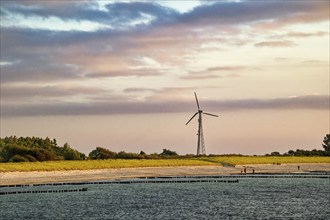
(214, 197)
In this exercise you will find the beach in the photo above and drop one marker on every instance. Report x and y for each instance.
(11, 178)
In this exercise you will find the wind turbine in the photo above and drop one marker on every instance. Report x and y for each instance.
(200, 140)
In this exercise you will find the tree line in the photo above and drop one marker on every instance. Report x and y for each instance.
(31, 149)
(24, 149)
(103, 153)
(314, 152)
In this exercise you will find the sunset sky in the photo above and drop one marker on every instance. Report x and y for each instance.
(122, 74)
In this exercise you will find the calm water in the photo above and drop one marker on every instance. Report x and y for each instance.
(251, 198)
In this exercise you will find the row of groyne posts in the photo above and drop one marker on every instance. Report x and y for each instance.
(165, 179)
(102, 182)
(44, 191)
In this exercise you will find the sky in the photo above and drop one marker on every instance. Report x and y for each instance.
(122, 74)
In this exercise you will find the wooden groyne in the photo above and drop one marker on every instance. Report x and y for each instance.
(44, 191)
(169, 181)
(135, 181)
(183, 179)
(132, 181)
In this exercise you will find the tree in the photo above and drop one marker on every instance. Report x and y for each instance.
(142, 152)
(167, 152)
(275, 153)
(70, 154)
(124, 155)
(326, 144)
(102, 153)
(290, 152)
(35, 149)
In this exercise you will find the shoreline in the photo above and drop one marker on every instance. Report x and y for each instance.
(36, 177)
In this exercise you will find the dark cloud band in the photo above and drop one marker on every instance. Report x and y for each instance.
(316, 102)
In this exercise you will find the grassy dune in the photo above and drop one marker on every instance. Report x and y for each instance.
(121, 163)
(98, 164)
(239, 160)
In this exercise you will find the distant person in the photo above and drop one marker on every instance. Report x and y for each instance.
(298, 167)
(244, 169)
(252, 170)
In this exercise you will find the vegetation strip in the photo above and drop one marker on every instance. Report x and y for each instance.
(135, 163)
(32, 149)
(99, 164)
(25, 154)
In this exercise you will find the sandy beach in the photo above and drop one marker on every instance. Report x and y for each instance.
(10, 178)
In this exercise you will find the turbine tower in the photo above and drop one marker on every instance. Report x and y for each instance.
(200, 139)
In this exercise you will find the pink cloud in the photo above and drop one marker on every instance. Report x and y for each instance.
(285, 43)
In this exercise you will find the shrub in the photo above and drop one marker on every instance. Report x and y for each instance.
(18, 158)
(102, 153)
(31, 158)
(167, 152)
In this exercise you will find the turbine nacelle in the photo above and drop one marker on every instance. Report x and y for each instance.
(200, 111)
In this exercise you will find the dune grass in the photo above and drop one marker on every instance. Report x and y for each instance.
(99, 164)
(122, 163)
(239, 160)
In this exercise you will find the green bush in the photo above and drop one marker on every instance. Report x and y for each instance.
(31, 158)
(102, 153)
(35, 149)
(18, 158)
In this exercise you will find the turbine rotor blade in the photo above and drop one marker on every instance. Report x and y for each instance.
(210, 114)
(197, 101)
(192, 117)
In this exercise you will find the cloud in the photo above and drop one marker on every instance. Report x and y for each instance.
(139, 90)
(200, 76)
(134, 10)
(214, 72)
(146, 39)
(285, 43)
(318, 102)
(225, 68)
(168, 38)
(316, 62)
(306, 35)
(204, 76)
(48, 55)
(120, 15)
(116, 74)
(293, 12)
(123, 15)
(125, 73)
(25, 93)
(274, 12)
(299, 35)
(38, 69)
